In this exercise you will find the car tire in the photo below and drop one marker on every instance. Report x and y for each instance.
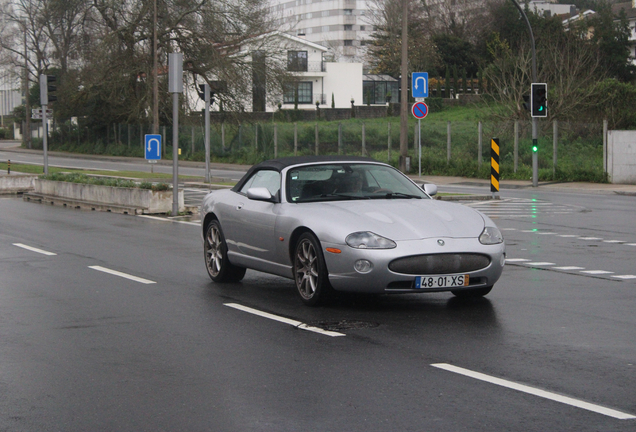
(217, 263)
(310, 271)
(472, 293)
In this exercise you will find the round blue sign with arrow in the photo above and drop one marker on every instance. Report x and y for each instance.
(419, 110)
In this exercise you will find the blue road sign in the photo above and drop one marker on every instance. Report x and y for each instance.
(153, 147)
(419, 110)
(419, 84)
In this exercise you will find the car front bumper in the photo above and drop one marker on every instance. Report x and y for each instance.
(380, 279)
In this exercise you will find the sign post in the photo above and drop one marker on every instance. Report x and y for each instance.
(419, 110)
(175, 86)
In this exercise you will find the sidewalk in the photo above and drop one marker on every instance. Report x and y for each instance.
(569, 187)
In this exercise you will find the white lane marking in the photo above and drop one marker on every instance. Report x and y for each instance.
(547, 233)
(540, 264)
(590, 238)
(596, 272)
(32, 249)
(613, 241)
(169, 220)
(516, 260)
(624, 277)
(569, 268)
(508, 229)
(120, 274)
(284, 320)
(631, 244)
(536, 392)
(568, 235)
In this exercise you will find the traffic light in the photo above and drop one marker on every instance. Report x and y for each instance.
(45, 88)
(539, 100)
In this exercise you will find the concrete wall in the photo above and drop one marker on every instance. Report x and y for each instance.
(344, 80)
(621, 156)
(14, 183)
(150, 201)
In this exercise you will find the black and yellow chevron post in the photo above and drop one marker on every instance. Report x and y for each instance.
(494, 165)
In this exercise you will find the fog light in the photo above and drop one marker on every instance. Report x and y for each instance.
(363, 266)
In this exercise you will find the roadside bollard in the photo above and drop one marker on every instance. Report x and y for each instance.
(9, 166)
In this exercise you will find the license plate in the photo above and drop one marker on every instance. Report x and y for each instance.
(441, 281)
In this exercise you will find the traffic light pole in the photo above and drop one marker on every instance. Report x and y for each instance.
(206, 92)
(44, 101)
(175, 86)
(535, 132)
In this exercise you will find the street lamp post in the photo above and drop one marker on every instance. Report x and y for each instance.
(535, 155)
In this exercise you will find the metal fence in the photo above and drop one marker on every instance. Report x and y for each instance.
(578, 146)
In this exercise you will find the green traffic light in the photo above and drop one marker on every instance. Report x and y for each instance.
(535, 148)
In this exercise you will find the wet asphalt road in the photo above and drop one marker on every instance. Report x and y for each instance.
(82, 349)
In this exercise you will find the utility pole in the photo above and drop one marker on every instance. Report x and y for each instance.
(27, 104)
(155, 73)
(404, 133)
(535, 131)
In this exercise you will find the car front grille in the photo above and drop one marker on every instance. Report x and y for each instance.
(440, 263)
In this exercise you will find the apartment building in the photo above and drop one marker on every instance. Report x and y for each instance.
(340, 25)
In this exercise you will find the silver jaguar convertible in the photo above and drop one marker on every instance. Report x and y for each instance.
(348, 224)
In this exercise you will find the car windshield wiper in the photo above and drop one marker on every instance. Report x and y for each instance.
(344, 196)
(392, 195)
(334, 196)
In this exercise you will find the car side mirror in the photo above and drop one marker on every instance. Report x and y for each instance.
(259, 194)
(430, 188)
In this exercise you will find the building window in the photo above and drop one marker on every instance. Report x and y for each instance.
(348, 27)
(325, 29)
(363, 42)
(304, 89)
(363, 28)
(297, 61)
(348, 42)
(348, 11)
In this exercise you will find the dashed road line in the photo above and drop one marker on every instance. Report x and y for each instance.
(536, 392)
(169, 220)
(121, 274)
(523, 262)
(596, 272)
(32, 249)
(284, 320)
(569, 268)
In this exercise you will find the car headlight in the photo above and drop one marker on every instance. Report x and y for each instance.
(490, 235)
(369, 240)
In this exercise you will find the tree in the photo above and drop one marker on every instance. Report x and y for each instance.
(612, 38)
(457, 52)
(102, 51)
(384, 49)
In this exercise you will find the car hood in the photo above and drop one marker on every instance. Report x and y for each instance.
(406, 219)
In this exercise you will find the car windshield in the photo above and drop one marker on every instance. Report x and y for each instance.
(349, 181)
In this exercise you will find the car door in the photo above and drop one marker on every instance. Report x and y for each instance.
(254, 220)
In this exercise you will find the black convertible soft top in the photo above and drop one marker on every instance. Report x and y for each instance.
(281, 163)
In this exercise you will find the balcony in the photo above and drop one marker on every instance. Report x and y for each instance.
(312, 66)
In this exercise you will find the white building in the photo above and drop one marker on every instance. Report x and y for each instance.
(317, 80)
(10, 97)
(629, 8)
(550, 8)
(339, 25)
